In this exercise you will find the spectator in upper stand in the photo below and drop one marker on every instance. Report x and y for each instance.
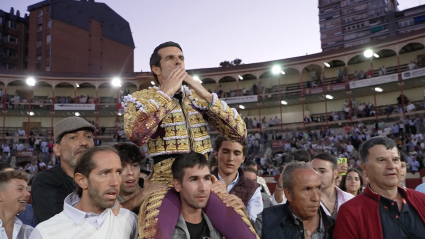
(412, 65)
(244, 91)
(389, 110)
(410, 107)
(313, 75)
(362, 75)
(276, 121)
(254, 89)
(383, 71)
(232, 93)
(254, 123)
(356, 75)
(372, 112)
(271, 124)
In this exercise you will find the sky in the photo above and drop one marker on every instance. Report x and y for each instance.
(213, 31)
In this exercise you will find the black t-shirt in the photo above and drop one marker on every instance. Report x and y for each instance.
(198, 231)
(49, 190)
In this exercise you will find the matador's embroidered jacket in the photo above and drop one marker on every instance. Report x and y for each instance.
(167, 127)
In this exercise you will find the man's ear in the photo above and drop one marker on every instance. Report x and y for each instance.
(363, 165)
(81, 181)
(335, 173)
(156, 70)
(56, 150)
(177, 185)
(288, 194)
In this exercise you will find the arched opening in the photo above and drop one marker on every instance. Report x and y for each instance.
(414, 54)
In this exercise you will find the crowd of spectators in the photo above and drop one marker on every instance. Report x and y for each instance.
(408, 135)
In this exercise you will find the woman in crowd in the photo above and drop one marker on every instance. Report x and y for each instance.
(352, 182)
(13, 199)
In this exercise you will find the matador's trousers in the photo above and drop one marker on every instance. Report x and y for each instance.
(160, 211)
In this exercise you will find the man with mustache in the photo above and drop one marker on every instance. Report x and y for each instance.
(383, 210)
(87, 212)
(72, 136)
(301, 216)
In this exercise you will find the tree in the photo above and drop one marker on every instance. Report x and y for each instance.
(235, 62)
(225, 64)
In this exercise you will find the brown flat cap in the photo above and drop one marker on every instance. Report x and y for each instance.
(70, 124)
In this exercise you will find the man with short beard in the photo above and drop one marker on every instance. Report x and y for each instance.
(87, 212)
(72, 136)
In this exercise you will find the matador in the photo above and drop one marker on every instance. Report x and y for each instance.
(172, 119)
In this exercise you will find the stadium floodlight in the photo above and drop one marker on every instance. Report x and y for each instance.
(327, 64)
(241, 107)
(30, 81)
(284, 102)
(77, 114)
(276, 69)
(368, 53)
(329, 97)
(376, 55)
(282, 72)
(30, 113)
(78, 85)
(240, 77)
(378, 89)
(116, 82)
(153, 82)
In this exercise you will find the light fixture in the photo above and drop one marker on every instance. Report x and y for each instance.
(329, 97)
(197, 78)
(116, 82)
(378, 89)
(240, 77)
(241, 107)
(30, 81)
(368, 53)
(152, 82)
(376, 55)
(282, 72)
(119, 114)
(284, 102)
(77, 114)
(276, 69)
(77, 84)
(30, 113)
(327, 64)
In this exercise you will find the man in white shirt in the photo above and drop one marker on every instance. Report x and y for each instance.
(410, 107)
(332, 197)
(276, 121)
(230, 155)
(19, 147)
(411, 65)
(87, 213)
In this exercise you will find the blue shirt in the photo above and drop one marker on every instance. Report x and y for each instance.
(255, 204)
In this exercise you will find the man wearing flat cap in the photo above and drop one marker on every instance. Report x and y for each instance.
(72, 136)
